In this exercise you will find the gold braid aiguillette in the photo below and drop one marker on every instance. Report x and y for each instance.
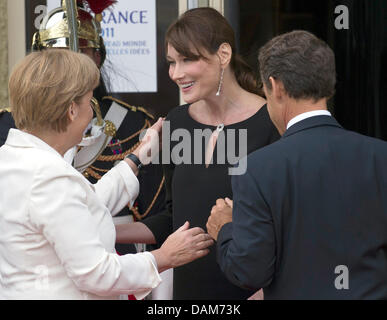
(110, 129)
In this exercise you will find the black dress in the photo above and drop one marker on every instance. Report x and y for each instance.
(192, 190)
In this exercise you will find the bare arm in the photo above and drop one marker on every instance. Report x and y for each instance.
(136, 232)
(181, 247)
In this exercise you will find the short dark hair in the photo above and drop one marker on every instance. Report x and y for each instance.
(304, 64)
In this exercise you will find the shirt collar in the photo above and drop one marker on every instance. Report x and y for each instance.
(306, 115)
(18, 138)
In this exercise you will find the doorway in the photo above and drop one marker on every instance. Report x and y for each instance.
(360, 103)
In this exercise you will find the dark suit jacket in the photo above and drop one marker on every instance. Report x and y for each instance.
(313, 201)
(6, 122)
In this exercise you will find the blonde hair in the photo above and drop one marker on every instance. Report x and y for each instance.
(44, 84)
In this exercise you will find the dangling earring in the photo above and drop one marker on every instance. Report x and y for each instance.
(220, 82)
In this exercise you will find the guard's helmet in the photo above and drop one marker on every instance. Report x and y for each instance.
(54, 30)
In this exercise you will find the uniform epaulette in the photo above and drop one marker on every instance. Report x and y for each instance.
(130, 107)
(2, 110)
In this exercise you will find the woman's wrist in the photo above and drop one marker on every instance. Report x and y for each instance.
(134, 162)
(162, 260)
(132, 166)
(136, 152)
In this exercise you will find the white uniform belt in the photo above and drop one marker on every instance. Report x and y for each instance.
(88, 154)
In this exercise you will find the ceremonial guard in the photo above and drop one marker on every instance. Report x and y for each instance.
(6, 122)
(116, 128)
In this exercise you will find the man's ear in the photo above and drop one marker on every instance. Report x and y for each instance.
(277, 88)
(72, 111)
(97, 58)
(224, 53)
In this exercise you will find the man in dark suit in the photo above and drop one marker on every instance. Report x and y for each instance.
(309, 217)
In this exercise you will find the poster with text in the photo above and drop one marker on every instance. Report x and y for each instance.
(129, 33)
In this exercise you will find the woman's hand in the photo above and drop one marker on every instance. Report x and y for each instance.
(150, 143)
(182, 246)
(149, 147)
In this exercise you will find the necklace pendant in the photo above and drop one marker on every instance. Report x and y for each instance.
(220, 127)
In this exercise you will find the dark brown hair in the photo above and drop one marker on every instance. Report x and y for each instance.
(304, 64)
(206, 29)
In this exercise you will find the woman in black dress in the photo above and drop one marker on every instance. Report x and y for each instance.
(223, 120)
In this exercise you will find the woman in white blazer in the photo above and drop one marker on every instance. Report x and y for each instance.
(56, 231)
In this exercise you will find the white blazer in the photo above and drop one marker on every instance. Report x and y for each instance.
(56, 231)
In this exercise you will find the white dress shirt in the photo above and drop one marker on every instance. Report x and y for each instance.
(56, 232)
(306, 115)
